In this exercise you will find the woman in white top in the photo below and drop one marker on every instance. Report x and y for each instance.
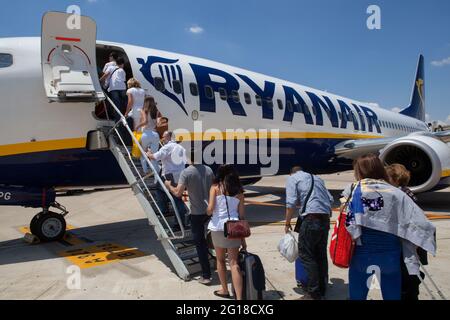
(226, 201)
(136, 97)
(150, 118)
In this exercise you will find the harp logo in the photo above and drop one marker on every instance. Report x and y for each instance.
(168, 70)
(419, 84)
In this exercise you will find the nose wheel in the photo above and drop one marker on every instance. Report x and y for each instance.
(49, 226)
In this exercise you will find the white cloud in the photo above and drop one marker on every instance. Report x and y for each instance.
(373, 104)
(448, 119)
(428, 118)
(196, 29)
(441, 63)
(396, 109)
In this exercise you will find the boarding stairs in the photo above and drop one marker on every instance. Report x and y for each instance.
(178, 245)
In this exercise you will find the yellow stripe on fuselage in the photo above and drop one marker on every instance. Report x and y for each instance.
(236, 135)
(445, 173)
(79, 143)
(42, 146)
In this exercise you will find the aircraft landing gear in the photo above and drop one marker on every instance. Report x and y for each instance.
(49, 226)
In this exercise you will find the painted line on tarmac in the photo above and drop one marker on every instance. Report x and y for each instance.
(101, 254)
(92, 255)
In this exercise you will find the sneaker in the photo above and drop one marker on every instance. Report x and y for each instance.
(308, 296)
(205, 281)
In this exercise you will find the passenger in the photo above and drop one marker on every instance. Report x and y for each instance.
(315, 225)
(226, 200)
(136, 97)
(150, 137)
(173, 161)
(113, 56)
(197, 180)
(117, 87)
(385, 223)
(400, 177)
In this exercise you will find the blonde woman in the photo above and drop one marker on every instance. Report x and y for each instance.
(149, 120)
(136, 97)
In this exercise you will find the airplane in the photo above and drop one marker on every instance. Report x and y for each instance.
(50, 97)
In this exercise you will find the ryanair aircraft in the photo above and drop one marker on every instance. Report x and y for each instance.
(50, 97)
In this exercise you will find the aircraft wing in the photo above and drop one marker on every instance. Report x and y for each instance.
(352, 149)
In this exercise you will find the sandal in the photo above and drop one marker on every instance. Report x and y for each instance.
(221, 295)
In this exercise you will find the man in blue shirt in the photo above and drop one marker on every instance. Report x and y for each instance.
(314, 212)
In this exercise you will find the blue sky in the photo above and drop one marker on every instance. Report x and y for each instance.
(322, 44)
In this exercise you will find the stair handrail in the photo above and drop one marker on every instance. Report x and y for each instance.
(146, 188)
(155, 173)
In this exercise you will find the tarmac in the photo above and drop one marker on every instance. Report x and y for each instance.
(119, 256)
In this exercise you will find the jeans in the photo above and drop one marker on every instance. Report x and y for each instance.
(120, 99)
(150, 139)
(162, 199)
(381, 252)
(198, 232)
(312, 249)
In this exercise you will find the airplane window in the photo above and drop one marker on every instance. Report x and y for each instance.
(258, 100)
(223, 94)
(177, 86)
(248, 98)
(209, 92)
(235, 96)
(270, 103)
(280, 104)
(194, 89)
(289, 106)
(6, 60)
(159, 84)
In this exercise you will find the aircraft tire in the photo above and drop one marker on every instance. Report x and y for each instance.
(33, 224)
(48, 227)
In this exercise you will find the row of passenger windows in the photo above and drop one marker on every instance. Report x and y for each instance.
(397, 126)
(234, 95)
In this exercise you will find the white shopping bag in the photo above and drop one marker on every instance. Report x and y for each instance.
(288, 247)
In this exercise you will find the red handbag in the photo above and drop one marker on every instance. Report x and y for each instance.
(342, 244)
(235, 229)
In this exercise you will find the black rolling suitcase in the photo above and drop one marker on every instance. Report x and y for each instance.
(252, 270)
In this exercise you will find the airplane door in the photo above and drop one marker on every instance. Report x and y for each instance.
(68, 59)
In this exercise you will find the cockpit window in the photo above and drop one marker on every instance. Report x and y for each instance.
(6, 60)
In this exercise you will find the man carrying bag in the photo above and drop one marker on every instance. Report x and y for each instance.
(313, 225)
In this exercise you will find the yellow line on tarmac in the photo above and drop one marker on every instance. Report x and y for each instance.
(93, 255)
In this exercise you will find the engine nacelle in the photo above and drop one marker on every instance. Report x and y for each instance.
(425, 156)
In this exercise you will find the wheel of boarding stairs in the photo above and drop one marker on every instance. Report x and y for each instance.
(48, 227)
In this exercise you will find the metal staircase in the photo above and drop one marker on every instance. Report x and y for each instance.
(178, 245)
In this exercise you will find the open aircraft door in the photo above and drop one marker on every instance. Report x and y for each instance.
(69, 58)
